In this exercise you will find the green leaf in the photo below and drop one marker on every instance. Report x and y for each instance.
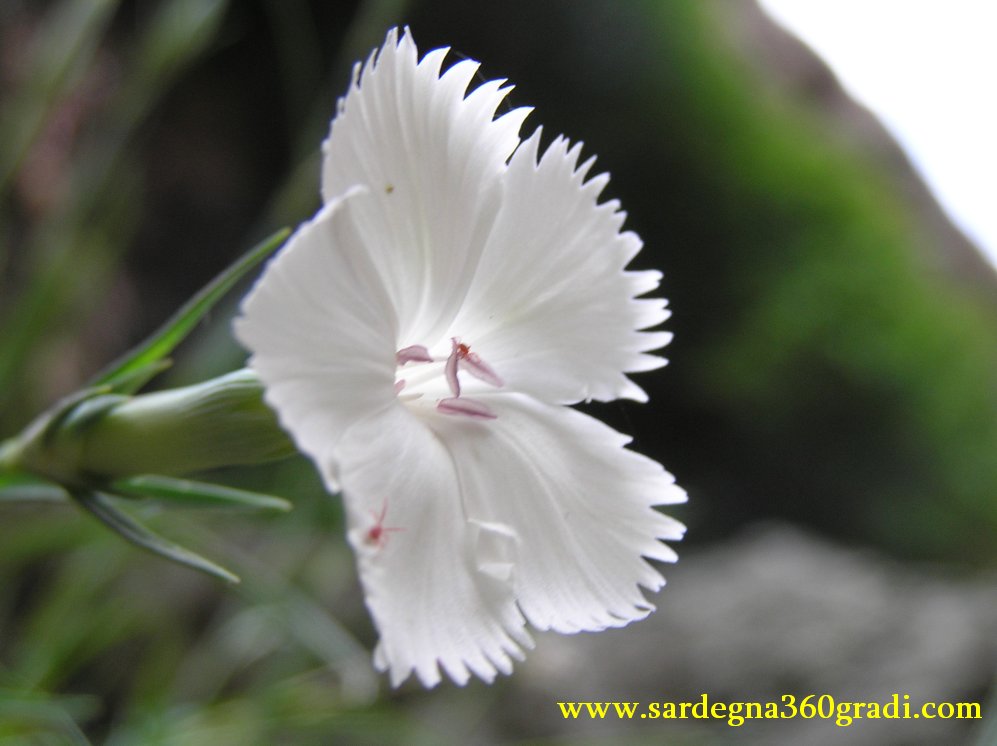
(46, 719)
(71, 256)
(140, 364)
(131, 381)
(28, 488)
(104, 510)
(196, 493)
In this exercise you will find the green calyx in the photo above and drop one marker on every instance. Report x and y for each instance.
(106, 445)
(101, 436)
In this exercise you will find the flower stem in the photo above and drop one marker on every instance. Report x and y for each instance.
(10, 451)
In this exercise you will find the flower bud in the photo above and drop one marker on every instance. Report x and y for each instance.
(217, 423)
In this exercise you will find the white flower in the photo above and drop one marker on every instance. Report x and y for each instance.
(420, 339)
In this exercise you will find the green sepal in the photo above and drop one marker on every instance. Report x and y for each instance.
(104, 510)
(17, 455)
(83, 413)
(199, 494)
(138, 366)
(46, 427)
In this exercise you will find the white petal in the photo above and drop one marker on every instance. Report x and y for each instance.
(551, 307)
(579, 503)
(438, 586)
(322, 334)
(431, 159)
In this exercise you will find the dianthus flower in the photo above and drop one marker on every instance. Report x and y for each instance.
(422, 340)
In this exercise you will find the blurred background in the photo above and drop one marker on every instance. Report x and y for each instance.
(831, 404)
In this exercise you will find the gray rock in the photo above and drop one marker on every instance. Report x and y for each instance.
(779, 612)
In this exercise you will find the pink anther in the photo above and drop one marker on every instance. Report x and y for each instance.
(413, 354)
(468, 407)
(462, 358)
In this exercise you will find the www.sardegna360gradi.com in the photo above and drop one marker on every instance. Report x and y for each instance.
(787, 707)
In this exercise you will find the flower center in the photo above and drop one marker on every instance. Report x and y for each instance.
(460, 359)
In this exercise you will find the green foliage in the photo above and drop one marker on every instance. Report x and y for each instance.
(64, 47)
(16, 487)
(145, 652)
(836, 324)
(186, 661)
(186, 491)
(70, 256)
(68, 444)
(104, 510)
(148, 359)
(37, 719)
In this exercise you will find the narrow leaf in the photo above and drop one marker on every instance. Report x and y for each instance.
(28, 488)
(125, 371)
(104, 510)
(72, 253)
(196, 493)
(131, 381)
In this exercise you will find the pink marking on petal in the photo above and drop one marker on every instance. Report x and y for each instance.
(378, 533)
(399, 385)
(450, 370)
(468, 407)
(413, 354)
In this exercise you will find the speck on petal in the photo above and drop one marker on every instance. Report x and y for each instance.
(436, 590)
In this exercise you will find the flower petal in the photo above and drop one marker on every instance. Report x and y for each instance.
(438, 586)
(320, 327)
(551, 307)
(431, 159)
(579, 503)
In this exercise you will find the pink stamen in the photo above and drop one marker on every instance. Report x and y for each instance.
(462, 358)
(450, 370)
(413, 354)
(468, 407)
(478, 368)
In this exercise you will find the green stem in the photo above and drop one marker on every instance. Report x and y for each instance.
(10, 456)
